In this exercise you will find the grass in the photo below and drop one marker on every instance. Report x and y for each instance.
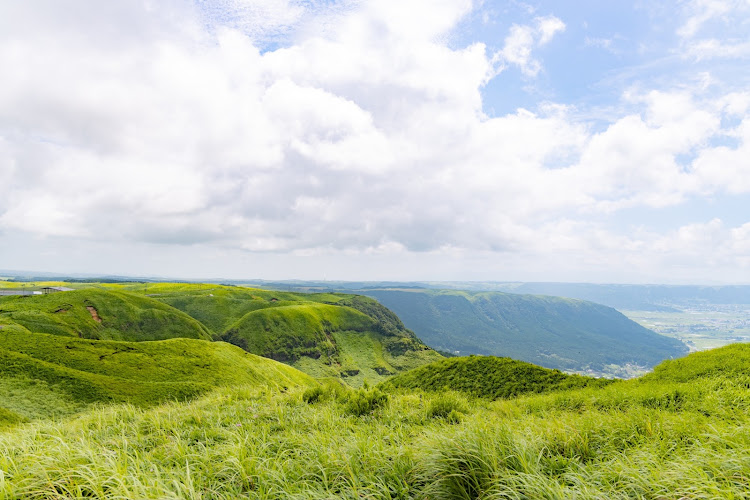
(489, 377)
(48, 375)
(630, 439)
(188, 418)
(339, 335)
(123, 315)
(328, 341)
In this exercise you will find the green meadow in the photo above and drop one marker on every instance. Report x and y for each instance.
(682, 432)
(343, 402)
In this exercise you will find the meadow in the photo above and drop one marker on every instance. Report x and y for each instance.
(84, 414)
(681, 432)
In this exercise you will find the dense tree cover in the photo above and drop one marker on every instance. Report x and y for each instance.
(547, 331)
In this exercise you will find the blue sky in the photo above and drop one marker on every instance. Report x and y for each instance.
(381, 140)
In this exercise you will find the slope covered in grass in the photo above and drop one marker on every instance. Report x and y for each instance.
(489, 377)
(645, 438)
(324, 334)
(329, 340)
(217, 306)
(46, 374)
(732, 361)
(548, 331)
(100, 314)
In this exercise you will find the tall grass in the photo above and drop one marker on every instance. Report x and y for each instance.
(659, 440)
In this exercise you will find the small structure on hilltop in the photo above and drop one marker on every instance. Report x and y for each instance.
(54, 289)
(7, 292)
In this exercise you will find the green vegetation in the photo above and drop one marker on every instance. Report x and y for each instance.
(548, 331)
(489, 377)
(325, 335)
(682, 433)
(48, 375)
(84, 413)
(99, 314)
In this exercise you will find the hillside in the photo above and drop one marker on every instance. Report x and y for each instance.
(489, 377)
(94, 313)
(682, 433)
(548, 331)
(325, 335)
(729, 361)
(47, 375)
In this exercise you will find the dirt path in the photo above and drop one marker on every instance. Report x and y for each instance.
(94, 314)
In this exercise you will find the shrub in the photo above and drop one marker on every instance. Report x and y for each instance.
(448, 405)
(328, 389)
(312, 394)
(364, 401)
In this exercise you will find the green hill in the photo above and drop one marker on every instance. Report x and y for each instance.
(44, 374)
(99, 314)
(728, 361)
(329, 340)
(548, 331)
(325, 335)
(339, 335)
(679, 433)
(489, 377)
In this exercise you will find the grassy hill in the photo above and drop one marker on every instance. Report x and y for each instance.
(682, 433)
(729, 361)
(326, 335)
(489, 377)
(47, 375)
(548, 331)
(99, 314)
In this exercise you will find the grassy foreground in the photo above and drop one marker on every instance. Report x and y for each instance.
(682, 433)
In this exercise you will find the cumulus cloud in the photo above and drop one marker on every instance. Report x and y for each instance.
(522, 40)
(365, 135)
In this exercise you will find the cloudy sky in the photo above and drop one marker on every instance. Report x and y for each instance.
(377, 140)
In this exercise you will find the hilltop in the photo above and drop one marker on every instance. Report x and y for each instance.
(95, 313)
(325, 335)
(345, 336)
(489, 377)
(552, 332)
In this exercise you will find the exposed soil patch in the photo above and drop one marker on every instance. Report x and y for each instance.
(94, 313)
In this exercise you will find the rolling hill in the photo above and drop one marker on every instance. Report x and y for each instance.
(326, 335)
(489, 377)
(680, 433)
(552, 332)
(47, 375)
(94, 313)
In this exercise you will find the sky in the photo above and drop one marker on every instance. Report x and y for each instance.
(582, 141)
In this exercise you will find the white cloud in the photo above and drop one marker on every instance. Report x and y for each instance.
(522, 40)
(365, 137)
(700, 12)
(715, 49)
